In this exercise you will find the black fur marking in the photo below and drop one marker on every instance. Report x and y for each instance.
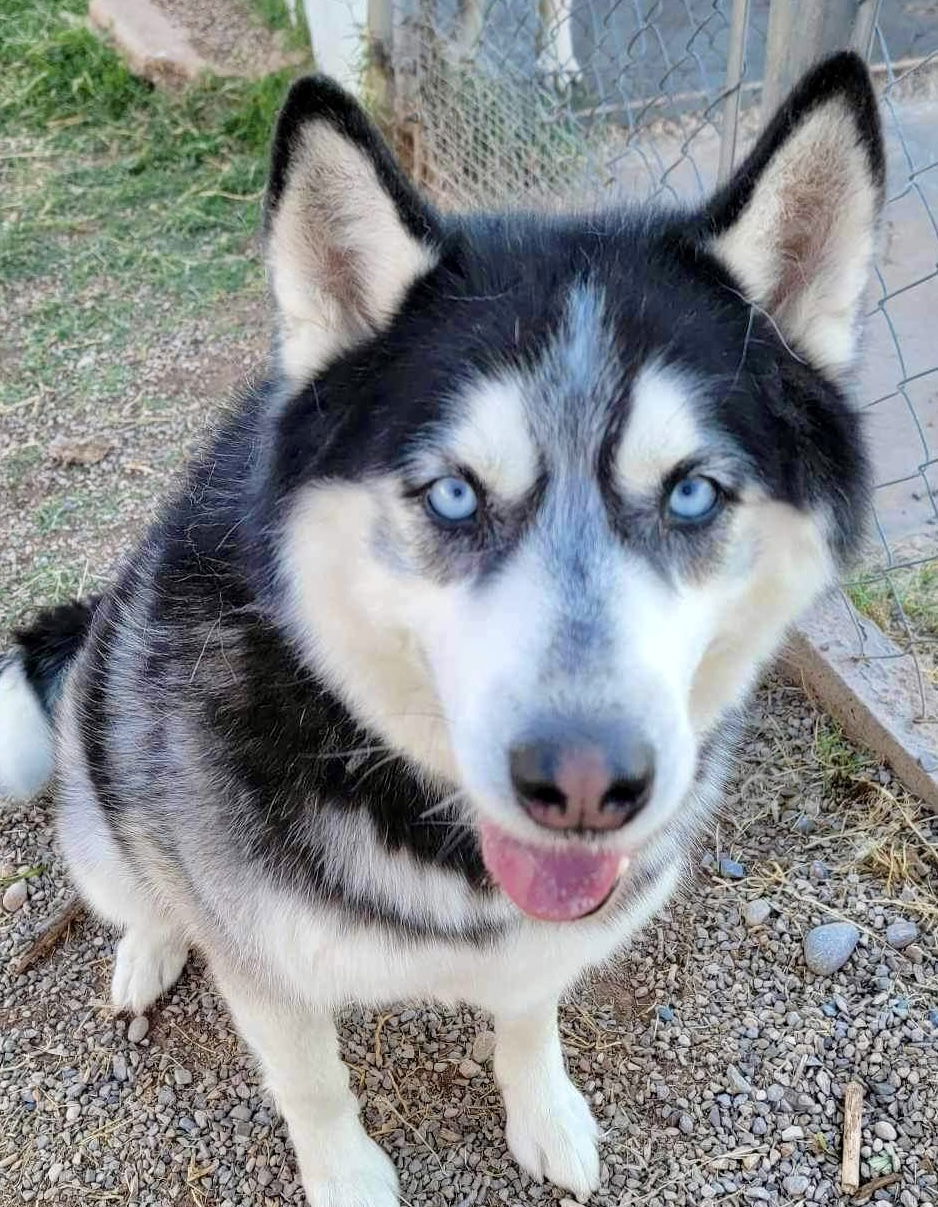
(50, 644)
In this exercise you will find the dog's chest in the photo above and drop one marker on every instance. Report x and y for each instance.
(319, 956)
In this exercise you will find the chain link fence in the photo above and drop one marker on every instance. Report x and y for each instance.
(560, 102)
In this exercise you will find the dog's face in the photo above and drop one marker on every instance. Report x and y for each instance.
(552, 490)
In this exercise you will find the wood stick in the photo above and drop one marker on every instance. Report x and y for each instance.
(850, 1149)
(866, 1192)
(49, 934)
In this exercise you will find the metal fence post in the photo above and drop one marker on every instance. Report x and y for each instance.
(803, 31)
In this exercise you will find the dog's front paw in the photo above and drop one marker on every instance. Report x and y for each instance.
(146, 965)
(358, 1174)
(552, 1134)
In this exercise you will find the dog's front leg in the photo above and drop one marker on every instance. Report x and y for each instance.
(549, 1127)
(298, 1050)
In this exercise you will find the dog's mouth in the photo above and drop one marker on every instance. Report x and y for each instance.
(553, 884)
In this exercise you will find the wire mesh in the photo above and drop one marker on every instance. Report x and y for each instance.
(559, 102)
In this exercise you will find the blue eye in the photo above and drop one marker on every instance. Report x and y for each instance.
(452, 500)
(693, 498)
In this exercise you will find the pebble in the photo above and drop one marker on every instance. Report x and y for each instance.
(796, 1185)
(829, 947)
(686, 1124)
(738, 1082)
(732, 869)
(757, 912)
(15, 896)
(901, 933)
(138, 1028)
(469, 1069)
(793, 1133)
(666, 1014)
(483, 1046)
(885, 1130)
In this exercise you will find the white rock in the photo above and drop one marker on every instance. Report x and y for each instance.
(138, 1028)
(15, 896)
(483, 1046)
(885, 1130)
(757, 911)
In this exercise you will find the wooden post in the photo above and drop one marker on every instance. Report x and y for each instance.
(803, 31)
(735, 69)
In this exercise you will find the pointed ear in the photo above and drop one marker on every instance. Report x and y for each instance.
(796, 225)
(347, 235)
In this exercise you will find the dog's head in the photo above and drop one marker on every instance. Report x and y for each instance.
(550, 490)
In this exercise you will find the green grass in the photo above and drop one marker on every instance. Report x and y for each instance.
(274, 14)
(915, 589)
(133, 206)
(841, 763)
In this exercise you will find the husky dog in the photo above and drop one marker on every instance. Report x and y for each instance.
(422, 687)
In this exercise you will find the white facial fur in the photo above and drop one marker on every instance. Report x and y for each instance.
(451, 672)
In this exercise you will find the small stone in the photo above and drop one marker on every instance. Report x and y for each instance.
(901, 933)
(738, 1082)
(686, 1124)
(759, 1126)
(666, 1014)
(55, 1172)
(933, 1017)
(829, 947)
(138, 1028)
(757, 912)
(885, 1130)
(819, 870)
(182, 1076)
(732, 869)
(483, 1046)
(830, 1009)
(793, 1133)
(72, 1113)
(119, 1066)
(15, 896)
(796, 1185)
(469, 1069)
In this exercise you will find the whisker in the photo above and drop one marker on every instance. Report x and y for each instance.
(442, 805)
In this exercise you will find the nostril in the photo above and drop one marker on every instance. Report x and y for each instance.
(543, 793)
(626, 797)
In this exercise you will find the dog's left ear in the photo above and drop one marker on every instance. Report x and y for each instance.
(796, 225)
(347, 234)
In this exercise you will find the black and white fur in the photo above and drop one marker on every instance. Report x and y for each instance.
(282, 728)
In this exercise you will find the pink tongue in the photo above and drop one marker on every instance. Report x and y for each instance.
(555, 886)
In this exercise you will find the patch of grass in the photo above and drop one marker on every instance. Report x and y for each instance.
(125, 209)
(276, 15)
(841, 763)
(915, 589)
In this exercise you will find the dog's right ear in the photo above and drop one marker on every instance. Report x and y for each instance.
(347, 234)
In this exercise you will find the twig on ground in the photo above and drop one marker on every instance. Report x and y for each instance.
(866, 1192)
(49, 935)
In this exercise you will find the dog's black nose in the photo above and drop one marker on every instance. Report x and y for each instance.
(582, 785)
